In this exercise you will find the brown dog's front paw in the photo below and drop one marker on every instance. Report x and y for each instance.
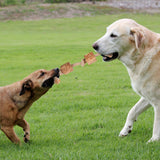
(26, 140)
(26, 137)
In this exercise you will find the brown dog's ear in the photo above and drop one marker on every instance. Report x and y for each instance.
(27, 85)
(138, 35)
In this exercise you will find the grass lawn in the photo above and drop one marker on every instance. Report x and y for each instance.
(79, 119)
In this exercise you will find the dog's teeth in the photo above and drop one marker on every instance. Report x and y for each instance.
(109, 55)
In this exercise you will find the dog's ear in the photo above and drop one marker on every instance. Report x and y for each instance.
(138, 36)
(27, 85)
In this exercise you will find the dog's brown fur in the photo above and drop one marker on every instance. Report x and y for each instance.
(16, 99)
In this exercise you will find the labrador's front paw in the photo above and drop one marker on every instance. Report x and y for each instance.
(153, 139)
(125, 131)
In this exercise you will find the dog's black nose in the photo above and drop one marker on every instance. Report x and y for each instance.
(95, 46)
(56, 71)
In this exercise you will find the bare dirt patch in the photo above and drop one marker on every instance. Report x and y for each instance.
(69, 10)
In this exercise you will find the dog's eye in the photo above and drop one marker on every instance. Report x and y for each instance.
(113, 35)
(42, 74)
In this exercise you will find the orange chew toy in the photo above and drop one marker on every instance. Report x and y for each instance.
(90, 58)
(66, 68)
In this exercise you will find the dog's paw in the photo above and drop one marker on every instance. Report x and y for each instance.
(26, 137)
(153, 139)
(125, 131)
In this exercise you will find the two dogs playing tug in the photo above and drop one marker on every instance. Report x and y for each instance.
(135, 46)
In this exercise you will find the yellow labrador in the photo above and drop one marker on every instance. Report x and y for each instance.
(16, 99)
(138, 48)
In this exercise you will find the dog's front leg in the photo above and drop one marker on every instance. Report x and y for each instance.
(156, 126)
(23, 123)
(137, 109)
(9, 132)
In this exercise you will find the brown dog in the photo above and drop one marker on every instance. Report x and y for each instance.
(16, 99)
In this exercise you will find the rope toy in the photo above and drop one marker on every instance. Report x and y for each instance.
(68, 67)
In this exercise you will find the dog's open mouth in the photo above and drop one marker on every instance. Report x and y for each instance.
(110, 57)
(48, 83)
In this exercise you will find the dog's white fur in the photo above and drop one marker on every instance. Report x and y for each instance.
(139, 50)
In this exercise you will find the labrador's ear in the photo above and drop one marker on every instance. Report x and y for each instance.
(138, 36)
(26, 86)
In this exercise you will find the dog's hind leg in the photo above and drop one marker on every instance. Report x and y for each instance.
(137, 109)
(23, 123)
(9, 132)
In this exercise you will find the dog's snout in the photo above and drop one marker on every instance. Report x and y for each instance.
(95, 46)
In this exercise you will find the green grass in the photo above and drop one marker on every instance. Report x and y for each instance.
(80, 118)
